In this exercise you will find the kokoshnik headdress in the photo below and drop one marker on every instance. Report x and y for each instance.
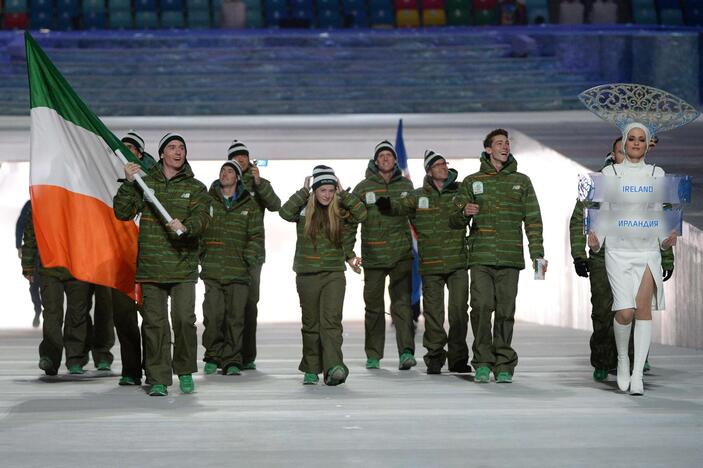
(626, 103)
(629, 105)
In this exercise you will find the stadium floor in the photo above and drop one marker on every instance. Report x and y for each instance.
(553, 414)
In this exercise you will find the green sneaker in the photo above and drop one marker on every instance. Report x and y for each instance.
(310, 379)
(646, 367)
(47, 365)
(373, 363)
(483, 375)
(103, 366)
(600, 375)
(336, 375)
(186, 383)
(233, 370)
(158, 390)
(210, 368)
(126, 380)
(76, 370)
(407, 360)
(249, 366)
(504, 377)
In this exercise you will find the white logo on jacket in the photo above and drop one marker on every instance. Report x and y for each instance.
(185, 195)
(423, 202)
(477, 188)
(370, 198)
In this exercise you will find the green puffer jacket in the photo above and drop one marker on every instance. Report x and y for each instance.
(385, 240)
(506, 200)
(30, 252)
(266, 199)
(231, 242)
(163, 256)
(441, 246)
(325, 256)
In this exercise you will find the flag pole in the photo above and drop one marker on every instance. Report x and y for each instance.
(147, 192)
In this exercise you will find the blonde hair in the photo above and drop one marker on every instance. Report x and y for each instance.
(325, 220)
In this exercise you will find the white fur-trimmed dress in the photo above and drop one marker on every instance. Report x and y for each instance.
(627, 258)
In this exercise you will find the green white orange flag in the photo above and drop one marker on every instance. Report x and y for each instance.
(73, 177)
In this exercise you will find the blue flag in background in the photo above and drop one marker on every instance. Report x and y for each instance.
(417, 281)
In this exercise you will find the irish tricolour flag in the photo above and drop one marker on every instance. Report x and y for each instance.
(73, 177)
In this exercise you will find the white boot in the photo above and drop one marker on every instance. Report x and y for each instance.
(643, 337)
(622, 341)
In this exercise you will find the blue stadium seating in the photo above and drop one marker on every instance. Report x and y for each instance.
(16, 6)
(380, 4)
(354, 5)
(671, 16)
(301, 4)
(197, 5)
(41, 20)
(382, 17)
(71, 7)
(328, 5)
(119, 5)
(668, 5)
(43, 6)
(275, 4)
(302, 10)
(90, 6)
(216, 10)
(172, 19)
(254, 18)
(644, 14)
(146, 20)
(358, 18)
(253, 4)
(171, 5)
(329, 18)
(198, 19)
(94, 20)
(145, 6)
(120, 20)
(303, 13)
(694, 14)
(66, 21)
(276, 11)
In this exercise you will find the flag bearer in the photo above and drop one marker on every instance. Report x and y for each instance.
(167, 263)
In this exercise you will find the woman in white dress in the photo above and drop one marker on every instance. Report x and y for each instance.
(634, 269)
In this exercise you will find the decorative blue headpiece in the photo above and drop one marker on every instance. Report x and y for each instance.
(625, 103)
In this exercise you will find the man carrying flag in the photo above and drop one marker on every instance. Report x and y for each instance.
(167, 265)
(386, 250)
(73, 175)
